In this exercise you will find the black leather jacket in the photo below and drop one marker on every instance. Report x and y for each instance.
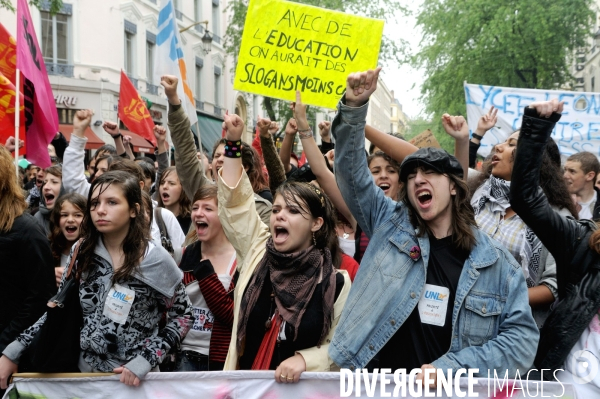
(578, 266)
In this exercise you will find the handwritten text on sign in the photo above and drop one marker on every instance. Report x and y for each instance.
(578, 129)
(289, 46)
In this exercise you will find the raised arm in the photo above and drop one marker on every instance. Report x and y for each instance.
(285, 152)
(74, 179)
(396, 148)
(485, 123)
(558, 233)
(458, 129)
(189, 168)
(366, 202)
(317, 163)
(325, 133)
(113, 130)
(272, 161)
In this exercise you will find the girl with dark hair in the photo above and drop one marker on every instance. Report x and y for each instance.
(51, 189)
(496, 217)
(126, 284)
(173, 197)
(569, 345)
(65, 229)
(288, 296)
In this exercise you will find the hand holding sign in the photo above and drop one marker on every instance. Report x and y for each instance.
(234, 126)
(360, 86)
(546, 108)
(169, 82)
(300, 112)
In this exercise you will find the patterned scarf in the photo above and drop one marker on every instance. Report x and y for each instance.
(496, 192)
(294, 278)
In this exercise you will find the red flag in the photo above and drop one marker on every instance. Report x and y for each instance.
(302, 160)
(133, 111)
(8, 92)
(41, 117)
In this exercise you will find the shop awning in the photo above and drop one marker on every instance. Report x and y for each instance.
(94, 142)
(139, 143)
(210, 131)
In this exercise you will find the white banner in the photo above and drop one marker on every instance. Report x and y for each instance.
(261, 384)
(578, 129)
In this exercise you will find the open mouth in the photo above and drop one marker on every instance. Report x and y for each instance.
(201, 227)
(165, 197)
(49, 198)
(281, 234)
(384, 186)
(71, 229)
(424, 198)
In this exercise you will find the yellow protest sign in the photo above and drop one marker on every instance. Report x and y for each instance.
(289, 46)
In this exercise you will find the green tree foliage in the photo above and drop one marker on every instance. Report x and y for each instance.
(515, 43)
(391, 48)
(55, 5)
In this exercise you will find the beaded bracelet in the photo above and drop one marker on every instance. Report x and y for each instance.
(305, 133)
(233, 149)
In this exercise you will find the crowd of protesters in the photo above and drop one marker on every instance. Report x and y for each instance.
(396, 257)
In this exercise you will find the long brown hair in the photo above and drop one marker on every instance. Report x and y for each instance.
(463, 216)
(58, 242)
(185, 205)
(12, 200)
(138, 235)
(314, 202)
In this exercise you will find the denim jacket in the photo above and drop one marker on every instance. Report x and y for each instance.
(492, 324)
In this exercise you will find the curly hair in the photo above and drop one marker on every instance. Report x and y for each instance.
(315, 203)
(138, 234)
(58, 241)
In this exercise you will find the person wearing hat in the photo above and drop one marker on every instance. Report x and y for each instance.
(432, 291)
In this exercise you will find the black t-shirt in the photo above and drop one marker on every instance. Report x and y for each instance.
(417, 343)
(185, 223)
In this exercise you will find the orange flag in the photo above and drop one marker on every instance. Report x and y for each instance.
(133, 111)
(8, 92)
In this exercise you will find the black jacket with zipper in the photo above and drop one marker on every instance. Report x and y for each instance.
(578, 266)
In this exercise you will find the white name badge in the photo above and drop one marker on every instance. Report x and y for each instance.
(434, 304)
(118, 303)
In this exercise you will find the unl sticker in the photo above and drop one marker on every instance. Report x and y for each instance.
(204, 320)
(434, 304)
(118, 303)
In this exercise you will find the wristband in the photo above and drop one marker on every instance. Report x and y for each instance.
(116, 136)
(233, 149)
(305, 133)
(476, 136)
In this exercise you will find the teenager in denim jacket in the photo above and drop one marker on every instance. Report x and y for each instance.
(427, 248)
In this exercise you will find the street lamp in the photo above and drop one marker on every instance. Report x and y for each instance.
(206, 39)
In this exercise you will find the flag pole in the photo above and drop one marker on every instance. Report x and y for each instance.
(199, 141)
(17, 122)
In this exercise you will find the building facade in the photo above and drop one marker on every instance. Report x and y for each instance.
(586, 68)
(87, 44)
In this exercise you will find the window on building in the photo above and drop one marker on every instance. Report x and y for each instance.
(198, 10)
(130, 31)
(216, 18)
(150, 46)
(199, 65)
(56, 36)
(218, 86)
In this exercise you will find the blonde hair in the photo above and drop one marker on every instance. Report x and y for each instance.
(12, 200)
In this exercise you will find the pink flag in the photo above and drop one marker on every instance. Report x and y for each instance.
(41, 117)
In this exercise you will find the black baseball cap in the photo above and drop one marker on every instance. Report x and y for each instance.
(430, 157)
